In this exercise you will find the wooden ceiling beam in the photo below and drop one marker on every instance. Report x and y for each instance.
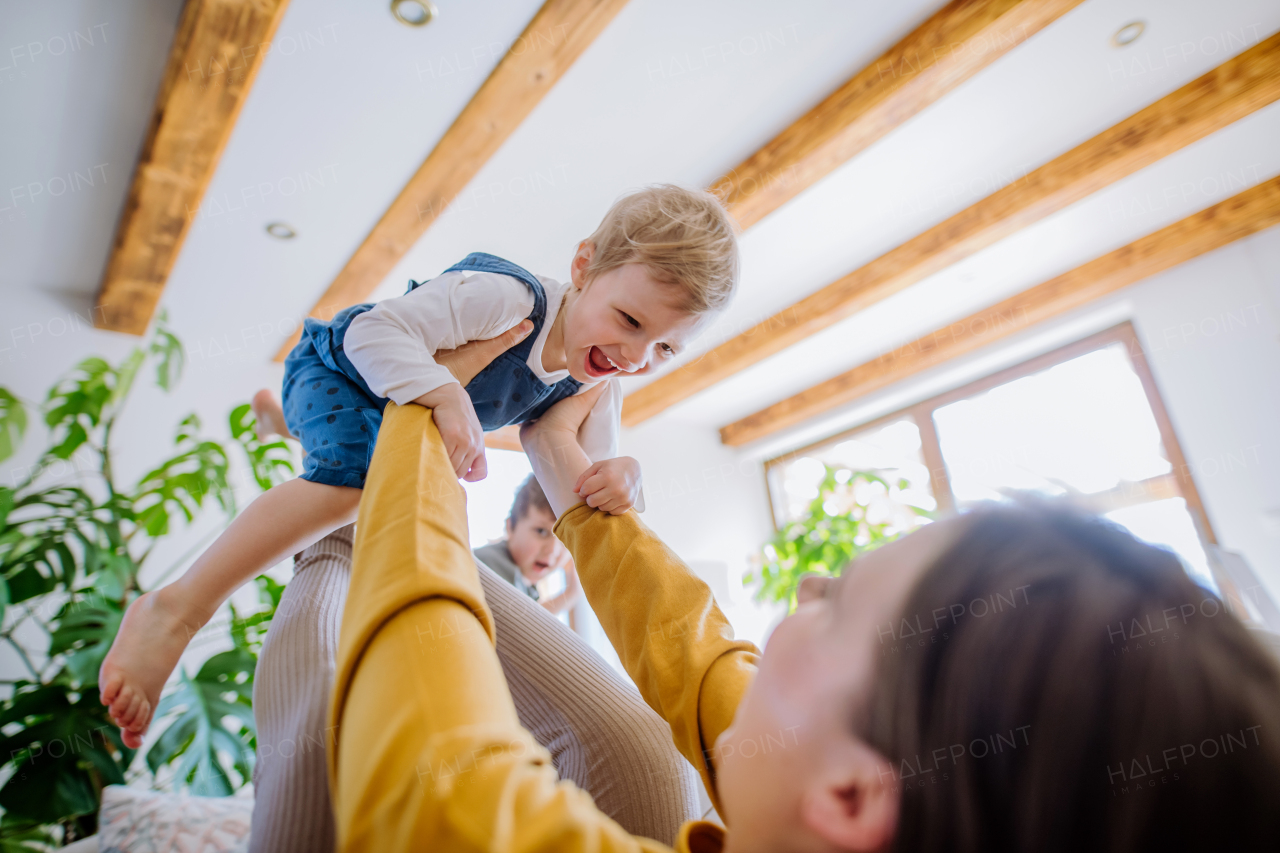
(217, 51)
(555, 38)
(1251, 211)
(1224, 95)
(506, 438)
(961, 39)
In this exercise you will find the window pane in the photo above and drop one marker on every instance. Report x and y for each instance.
(1168, 523)
(890, 450)
(1083, 427)
(489, 501)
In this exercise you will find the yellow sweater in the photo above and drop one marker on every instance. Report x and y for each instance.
(430, 754)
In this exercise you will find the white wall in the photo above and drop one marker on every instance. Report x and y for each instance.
(708, 503)
(1211, 330)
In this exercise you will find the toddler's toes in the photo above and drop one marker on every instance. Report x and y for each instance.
(268, 414)
(137, 704)
(109, 688)
(141, 719)
(120, 703)
(133, 740)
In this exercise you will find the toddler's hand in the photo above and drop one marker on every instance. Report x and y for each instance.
(456, 419)
(611, 486)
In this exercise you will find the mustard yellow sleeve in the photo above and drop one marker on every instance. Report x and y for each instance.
(663, 621)
(430, 754)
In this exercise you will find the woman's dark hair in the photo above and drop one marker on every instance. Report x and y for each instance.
(1056, 685)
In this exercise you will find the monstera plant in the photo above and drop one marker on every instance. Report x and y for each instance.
(74, 541)
(845, 519)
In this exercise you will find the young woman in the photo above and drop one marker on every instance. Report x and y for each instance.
(1019, 678)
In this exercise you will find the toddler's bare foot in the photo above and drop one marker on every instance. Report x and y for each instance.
(152, 637)
(266, 408)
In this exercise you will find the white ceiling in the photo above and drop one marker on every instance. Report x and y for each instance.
(348, 103)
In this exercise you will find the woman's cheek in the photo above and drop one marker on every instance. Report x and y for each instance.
(787, 676)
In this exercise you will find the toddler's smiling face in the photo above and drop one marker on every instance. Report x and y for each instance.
(624, 321)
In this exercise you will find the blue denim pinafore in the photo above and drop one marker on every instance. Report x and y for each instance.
(332, 411)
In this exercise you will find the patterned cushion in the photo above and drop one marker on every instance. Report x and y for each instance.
(133, 820)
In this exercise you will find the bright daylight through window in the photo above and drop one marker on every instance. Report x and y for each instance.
(1083, 427)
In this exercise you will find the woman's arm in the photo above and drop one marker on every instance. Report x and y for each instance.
(660, 617)
(430, 754)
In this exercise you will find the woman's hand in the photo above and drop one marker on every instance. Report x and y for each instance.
(466, 362)
(565, 417)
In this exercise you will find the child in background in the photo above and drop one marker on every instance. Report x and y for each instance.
(531, 552)
(642, 287)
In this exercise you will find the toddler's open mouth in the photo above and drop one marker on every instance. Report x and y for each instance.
(598, 364)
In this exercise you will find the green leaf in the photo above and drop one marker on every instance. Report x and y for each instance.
(82, 394)
(32, 565)
(86, 627)
(212, 725)
(23, 836)
(125, 374)
(249, 631)
(75, 405)
(823, 542)
(13, 423)
(60, 756)
(110, 574)
(179, 486)
(167, 350)
(74, 437)
(270, 462)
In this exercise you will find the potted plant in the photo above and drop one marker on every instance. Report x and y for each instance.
(72, 549)
(853, 512)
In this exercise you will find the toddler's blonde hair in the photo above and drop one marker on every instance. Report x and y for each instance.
(685, 238)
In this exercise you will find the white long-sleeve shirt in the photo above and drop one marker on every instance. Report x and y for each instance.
(394, 344)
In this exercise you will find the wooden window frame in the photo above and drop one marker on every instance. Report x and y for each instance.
(1177, 483)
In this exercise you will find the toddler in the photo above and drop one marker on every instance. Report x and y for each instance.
(641, 288)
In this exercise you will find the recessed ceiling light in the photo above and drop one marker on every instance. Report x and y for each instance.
(1128, 34)
(281, 231)
(414, 13)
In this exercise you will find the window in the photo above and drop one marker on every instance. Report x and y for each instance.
(1084, 421)
(489, 501)
(891, 450)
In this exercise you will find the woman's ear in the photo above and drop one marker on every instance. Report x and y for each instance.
(581, 260)
(853, 802)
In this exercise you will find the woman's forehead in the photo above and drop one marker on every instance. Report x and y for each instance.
(894, 569)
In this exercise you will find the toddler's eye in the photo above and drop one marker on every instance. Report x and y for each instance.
(667, 350)
(632, 320)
